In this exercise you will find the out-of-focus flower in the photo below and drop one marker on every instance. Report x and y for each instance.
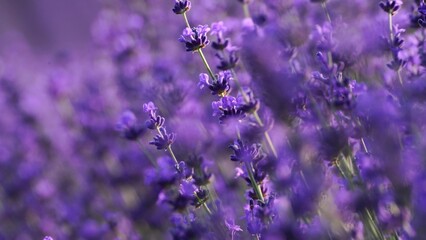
(227, 108)
(245, 153)
(128, 126)
(229, 63)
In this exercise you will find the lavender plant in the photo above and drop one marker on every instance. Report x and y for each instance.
(272, 119)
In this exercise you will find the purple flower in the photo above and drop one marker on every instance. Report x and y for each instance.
(149, 107)
(48, 238)
(219, 86)
(201, 196)
(227, 64)
(227, 108)
(181, 6)
(163, 140)
(323, 37)
(154, 121)
(234, 228)
(218, 28)
(390, 6)
(247, 103)
(164, 175)
(128, 126)
(195, 38)
(245, 153)
(422, 8)
(184, 228)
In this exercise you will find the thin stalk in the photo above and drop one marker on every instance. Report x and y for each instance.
(172, 154)
(249, 168)
(329, 59)
(399, 77)
(391, 35)
(255, 114)
(270, 144)
(207, 209)
(390, 27)
(254, 184)
(206, 64)
(246, 11)
(186, 20)
(364, 145)
(324, 6)
(327, 14)
(373, 226)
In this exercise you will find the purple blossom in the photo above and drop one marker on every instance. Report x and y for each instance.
(163, 140)
(219, 86)
(195, 38)
(245, 153)
(181, 6)
(128, 126)
(227, 108)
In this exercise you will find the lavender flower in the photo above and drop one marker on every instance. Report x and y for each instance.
(218, 86)
(155, 121)
(390, 6)
(227, 108)
(234, 228)
(195, 38)
(244, 153)
(246, 101)
(163, 140)
(181, 6)
(227, 64)
(218, 30)
(128, 126)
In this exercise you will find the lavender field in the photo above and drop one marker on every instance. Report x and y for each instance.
(212, 119)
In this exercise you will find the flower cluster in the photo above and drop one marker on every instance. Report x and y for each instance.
(321, 131)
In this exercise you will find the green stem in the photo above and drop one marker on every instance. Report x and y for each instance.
(249, 168)
(186, 20)
(324, 6)
(169, 149)
(206, 64)
(246, 10)
(270, 144)
(207, 209)
(373, 226)
(255, 114)
(364, 145)
(390, 27)
(399, 77)
(329, 59)
(254, 184)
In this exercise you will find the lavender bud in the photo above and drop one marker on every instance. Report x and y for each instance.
(390, 6)
(181, 6)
